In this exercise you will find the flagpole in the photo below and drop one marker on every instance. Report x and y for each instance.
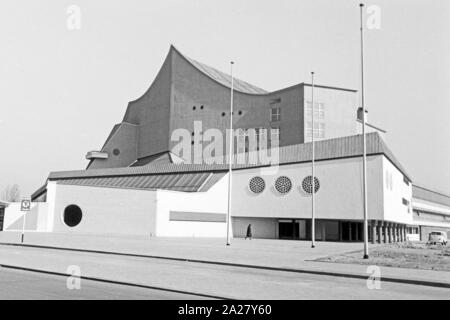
(230, 155)
(313, 208)
(366, 233)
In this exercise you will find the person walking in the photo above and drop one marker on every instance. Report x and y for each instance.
(249, 232)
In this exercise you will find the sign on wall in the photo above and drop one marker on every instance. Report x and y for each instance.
(25, 205)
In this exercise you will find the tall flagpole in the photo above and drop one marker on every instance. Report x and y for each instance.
(366, 226)
(230, 151)
(313, 185)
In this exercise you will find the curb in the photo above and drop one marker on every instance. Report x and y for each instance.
(240, 265)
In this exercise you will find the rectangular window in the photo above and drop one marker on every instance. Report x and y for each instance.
(405, 180)
(319, 110)
(405, 202)
(275, 114)
(319, 120)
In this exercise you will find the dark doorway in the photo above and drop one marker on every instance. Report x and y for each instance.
(351, 231)
(288, 229)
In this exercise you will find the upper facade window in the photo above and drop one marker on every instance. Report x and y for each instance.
(319, 120)
(405, 180)
(275, 111)
(319, 110)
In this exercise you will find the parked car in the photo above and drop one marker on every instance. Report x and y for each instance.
(438, 237)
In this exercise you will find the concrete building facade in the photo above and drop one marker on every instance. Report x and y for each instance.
(138, 185)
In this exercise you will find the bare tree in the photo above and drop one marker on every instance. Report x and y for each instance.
(11, 193)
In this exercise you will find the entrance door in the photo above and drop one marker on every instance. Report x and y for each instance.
(288, 229)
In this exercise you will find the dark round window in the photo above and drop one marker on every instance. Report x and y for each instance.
(257, 185)
(283, 185)
(72, 215)
(201, 107)
(240, 112)
(307, 184)
(194, 107)
(223, 114)
(116, 152)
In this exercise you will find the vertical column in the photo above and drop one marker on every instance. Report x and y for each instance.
(340, 230)
(404, 233)
(379, 231)
(385, 229)
(350, 231)
(390, 232)
(374, 231)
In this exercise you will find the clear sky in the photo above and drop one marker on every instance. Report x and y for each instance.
(62, 90)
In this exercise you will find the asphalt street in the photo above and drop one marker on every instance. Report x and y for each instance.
(190, 277)
(26, 285)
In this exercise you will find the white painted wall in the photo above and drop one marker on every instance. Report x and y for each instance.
(106, 210)
(431, 207)
(212, 201)
(394, 190)
(340, 195)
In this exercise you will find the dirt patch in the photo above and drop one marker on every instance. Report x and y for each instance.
(401, 255)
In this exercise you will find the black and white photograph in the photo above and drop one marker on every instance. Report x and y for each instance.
(218, 157)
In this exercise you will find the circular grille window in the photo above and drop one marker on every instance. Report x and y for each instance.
(116, 152)
(257, 185)
(307, 185)
(72, 215)
(283, 185)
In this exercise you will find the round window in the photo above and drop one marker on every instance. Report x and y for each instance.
(72, 215)
(116, 152)
(257, 185)
(283, 185)
(307, 184)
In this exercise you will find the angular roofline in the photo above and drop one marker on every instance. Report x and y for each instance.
(263, 92)
(255, 90)
(430, 195)
(39, 192)
(337, 148)
(433, 191)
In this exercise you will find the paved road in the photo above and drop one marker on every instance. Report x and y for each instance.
(18, 284)
(215, 280)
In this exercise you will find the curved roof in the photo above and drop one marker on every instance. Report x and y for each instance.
(223, 78)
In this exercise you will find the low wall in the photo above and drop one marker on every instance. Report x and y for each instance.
(36, 218)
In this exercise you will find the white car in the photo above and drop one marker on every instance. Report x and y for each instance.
(438, 237)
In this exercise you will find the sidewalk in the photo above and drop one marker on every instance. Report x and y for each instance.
(280, 255)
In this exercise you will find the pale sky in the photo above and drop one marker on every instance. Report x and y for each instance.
(63, 90)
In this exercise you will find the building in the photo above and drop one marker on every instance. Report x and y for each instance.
(137, 185)
(3, 205)
(185, 91)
